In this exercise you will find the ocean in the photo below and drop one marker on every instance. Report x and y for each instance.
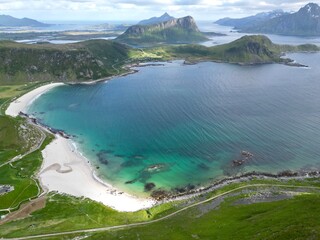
(176, 127)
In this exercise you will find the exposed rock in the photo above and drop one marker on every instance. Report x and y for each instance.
(149, 186)
(177, 30)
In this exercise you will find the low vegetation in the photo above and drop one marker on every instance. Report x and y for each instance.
(87, 60)
(256, 49)
(173, 31)
(268, 220)
(249, 210)
(97, 59)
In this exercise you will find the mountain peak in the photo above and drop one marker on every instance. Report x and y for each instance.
(310, 9)
(166, 15)
(175, 30)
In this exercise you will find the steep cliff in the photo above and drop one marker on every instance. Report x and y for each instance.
(180, 30)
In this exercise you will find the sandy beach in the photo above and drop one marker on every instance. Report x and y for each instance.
(66, 171)
(22, 102)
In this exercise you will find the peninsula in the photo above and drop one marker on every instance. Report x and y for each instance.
(100, 59)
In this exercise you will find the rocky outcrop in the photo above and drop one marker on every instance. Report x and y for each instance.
(154, 20)
(180, 30)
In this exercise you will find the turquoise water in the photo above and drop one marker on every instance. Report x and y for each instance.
(181, 126)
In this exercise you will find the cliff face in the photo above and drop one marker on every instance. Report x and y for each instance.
(186, 23)
(180, 30)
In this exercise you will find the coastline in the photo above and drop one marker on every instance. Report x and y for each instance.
(67, 176)
(65, 170)
(20, 104)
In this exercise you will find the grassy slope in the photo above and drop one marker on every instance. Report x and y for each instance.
(88, 60)
(14, 141)
(95, 59)
(19, 175)
(256, 49)
(246, 50)
(170, 35)
(288, 219)
(63, 213)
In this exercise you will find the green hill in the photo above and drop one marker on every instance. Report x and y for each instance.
(254, 49)
(87, 60)
(97, 59)
(180, 30)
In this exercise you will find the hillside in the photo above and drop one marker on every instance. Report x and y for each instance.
(305, 22)
(248, 50)
(9, 21)
(154, 20)
(96, 59)
(180, 30)
(240, 23)
(88, 60)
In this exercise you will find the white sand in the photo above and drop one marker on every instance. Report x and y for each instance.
(66, 171)
(21, 103)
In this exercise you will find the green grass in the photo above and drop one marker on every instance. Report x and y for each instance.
(11, 143)
(98, 59)
(18, 137)
(256, 49)
(66, 213)
(295, 218)
(20, 175)
(153, 36)
(9, 92)
(89, 60)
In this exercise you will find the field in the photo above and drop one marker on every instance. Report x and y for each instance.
(260, 209)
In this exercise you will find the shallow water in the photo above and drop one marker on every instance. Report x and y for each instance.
(182, 125)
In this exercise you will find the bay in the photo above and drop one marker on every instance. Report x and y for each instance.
(181, 126)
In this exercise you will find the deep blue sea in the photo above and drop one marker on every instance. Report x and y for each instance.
(182, 125)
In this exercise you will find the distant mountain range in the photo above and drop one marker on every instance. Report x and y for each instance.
(9, 21)
(176, 30)
(305, 22)
(154, 20)
(241, 23)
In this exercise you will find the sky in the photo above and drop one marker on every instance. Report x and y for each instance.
(104, 10)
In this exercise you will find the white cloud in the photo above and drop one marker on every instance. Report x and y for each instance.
(137, 9)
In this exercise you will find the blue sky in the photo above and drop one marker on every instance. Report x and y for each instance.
(139, 9)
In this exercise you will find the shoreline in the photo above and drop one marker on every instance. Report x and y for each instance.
(65, 170)
(67, 176)
(21, 103)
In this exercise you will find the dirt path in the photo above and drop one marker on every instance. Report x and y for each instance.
(25, 210)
